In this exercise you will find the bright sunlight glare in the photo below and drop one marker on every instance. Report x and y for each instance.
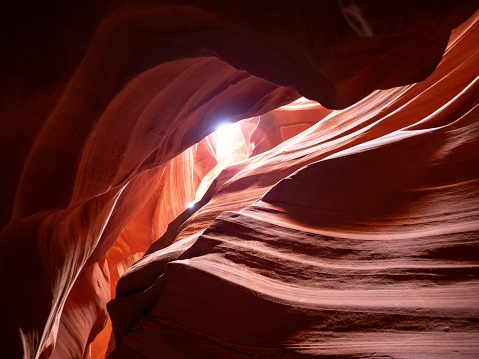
(226, 136)
(225, 129)
(230, 148)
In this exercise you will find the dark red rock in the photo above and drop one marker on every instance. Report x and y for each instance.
(98, 99)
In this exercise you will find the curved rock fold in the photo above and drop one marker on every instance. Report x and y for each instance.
(348, 228)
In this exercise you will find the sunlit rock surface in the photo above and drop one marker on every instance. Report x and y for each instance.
(368, 250)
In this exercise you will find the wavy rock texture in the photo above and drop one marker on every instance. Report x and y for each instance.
(369, 248)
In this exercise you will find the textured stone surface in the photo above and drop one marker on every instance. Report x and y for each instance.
(101, 104)
(368, 251)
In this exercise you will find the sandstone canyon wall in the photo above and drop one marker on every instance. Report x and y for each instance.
(346, 233)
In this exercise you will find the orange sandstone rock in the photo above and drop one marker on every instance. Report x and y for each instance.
(99, 100)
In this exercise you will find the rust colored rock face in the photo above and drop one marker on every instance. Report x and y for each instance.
(369, 248)
(339, 233)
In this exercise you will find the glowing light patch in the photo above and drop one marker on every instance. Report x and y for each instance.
(225, 129)
(226, 137)
(230, 147)
(191, 205)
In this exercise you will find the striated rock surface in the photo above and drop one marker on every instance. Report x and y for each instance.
(370, 250)
(107, 111)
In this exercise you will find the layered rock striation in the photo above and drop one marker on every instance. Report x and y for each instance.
(344, 233)
(364, 248)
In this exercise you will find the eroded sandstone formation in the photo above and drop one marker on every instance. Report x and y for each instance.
(346, 233)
